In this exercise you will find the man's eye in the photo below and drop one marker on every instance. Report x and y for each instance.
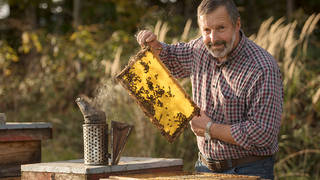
(221, 28)
(207, 31)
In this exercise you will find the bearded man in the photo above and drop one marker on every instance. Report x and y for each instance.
(238, 87)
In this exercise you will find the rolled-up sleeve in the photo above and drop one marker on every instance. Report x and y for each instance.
(179, 58)
(264, 109)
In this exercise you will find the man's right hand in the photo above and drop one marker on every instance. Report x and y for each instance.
(148, 38)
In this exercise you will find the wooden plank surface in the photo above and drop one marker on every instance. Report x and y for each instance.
(184, 175)
(11, 178)
(13, 154)
(25, 134)
(51, 176)
(65, 176)
(20, 152)
(125, 164)
(25, 125)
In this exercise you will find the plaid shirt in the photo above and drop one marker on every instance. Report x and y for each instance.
(245, 92)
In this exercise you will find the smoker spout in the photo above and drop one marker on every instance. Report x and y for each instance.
(91, 114)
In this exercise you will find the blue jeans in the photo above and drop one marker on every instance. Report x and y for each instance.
(262, 168)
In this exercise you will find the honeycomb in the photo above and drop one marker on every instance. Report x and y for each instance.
(158, 94)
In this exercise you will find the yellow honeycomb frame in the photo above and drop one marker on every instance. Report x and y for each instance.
(159, 95)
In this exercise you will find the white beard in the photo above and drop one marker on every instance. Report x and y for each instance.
(225, 51)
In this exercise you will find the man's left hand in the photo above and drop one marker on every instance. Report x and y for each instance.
(198, 124)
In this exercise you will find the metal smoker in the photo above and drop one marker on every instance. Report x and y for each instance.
(95, 135)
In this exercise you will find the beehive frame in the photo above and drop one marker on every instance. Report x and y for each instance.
(158, 94)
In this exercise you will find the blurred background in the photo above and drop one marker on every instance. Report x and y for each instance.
(53, 51)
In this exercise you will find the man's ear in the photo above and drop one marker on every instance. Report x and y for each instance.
(238, 24)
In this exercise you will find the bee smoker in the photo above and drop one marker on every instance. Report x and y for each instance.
(95, 133)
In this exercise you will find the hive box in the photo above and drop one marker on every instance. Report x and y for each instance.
(20, 143)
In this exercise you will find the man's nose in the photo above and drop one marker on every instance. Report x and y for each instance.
(212, 36)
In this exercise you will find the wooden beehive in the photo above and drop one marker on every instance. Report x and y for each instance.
(158, 94)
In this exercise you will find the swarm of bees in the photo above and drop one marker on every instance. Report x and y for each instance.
(158, 94)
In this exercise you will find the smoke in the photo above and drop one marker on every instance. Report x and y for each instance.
(108, 97)
(104, 96)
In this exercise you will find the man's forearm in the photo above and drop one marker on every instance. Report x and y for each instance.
(222, 132)
(156, 48)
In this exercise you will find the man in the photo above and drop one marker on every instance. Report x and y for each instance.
(238, 87)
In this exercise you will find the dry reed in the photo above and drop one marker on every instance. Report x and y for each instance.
(279, 40)
(293, 155)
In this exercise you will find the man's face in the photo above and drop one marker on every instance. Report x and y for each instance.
(218, 32)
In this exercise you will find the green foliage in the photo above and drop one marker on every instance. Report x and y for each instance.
(8, 56)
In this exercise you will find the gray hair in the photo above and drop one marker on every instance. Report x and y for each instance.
(208, 6)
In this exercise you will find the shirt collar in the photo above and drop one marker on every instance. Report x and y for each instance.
(236, 52)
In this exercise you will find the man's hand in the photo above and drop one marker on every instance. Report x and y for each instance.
(217, 131)
(198, 124)
(148, 38)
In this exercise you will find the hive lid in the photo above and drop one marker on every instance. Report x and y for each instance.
(158, 94)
